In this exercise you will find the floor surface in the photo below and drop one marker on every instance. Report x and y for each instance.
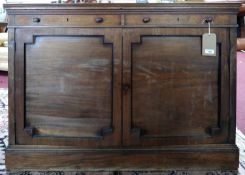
(241, 91)
(3, 79)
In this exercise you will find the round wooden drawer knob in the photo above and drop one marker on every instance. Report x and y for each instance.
(99, 20)
(36, 20)
(146, 20)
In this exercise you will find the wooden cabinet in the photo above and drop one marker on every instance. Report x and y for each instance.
(117, 87)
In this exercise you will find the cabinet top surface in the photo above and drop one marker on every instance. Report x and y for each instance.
(177, 6)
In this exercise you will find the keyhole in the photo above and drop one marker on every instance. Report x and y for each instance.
(67, 19)
(178, 19)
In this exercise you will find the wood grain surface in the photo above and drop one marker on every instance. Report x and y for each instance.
(121, 87)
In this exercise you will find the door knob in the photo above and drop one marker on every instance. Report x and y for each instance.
(126, 87)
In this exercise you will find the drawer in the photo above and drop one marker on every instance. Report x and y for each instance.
(167, 20)
(68, 20)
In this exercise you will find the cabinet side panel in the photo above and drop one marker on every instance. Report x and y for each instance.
(11, 85)
(233, 82)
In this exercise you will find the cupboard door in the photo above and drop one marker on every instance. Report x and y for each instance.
(68, 87)
(172, 94)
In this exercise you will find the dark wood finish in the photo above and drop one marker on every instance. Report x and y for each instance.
(183, 19)
(117, 87)
(190, 158)
(80, 106)
(183, 104)
(241, 29)
(11, 85)
(69, 20)
(233, 82)
(240, 18)
(3, 26)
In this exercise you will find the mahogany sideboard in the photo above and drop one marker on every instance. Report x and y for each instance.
(121, 87)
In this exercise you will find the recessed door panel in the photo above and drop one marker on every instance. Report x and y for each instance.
(68, 86)
(174, 89)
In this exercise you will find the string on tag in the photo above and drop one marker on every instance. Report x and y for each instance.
(209, 28)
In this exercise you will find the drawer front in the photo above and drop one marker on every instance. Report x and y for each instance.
(167, 20)
(68, 20)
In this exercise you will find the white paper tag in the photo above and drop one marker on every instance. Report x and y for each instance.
(209, 44)
(209, 51)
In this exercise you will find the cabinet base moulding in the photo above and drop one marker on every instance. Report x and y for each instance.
(122, 160)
